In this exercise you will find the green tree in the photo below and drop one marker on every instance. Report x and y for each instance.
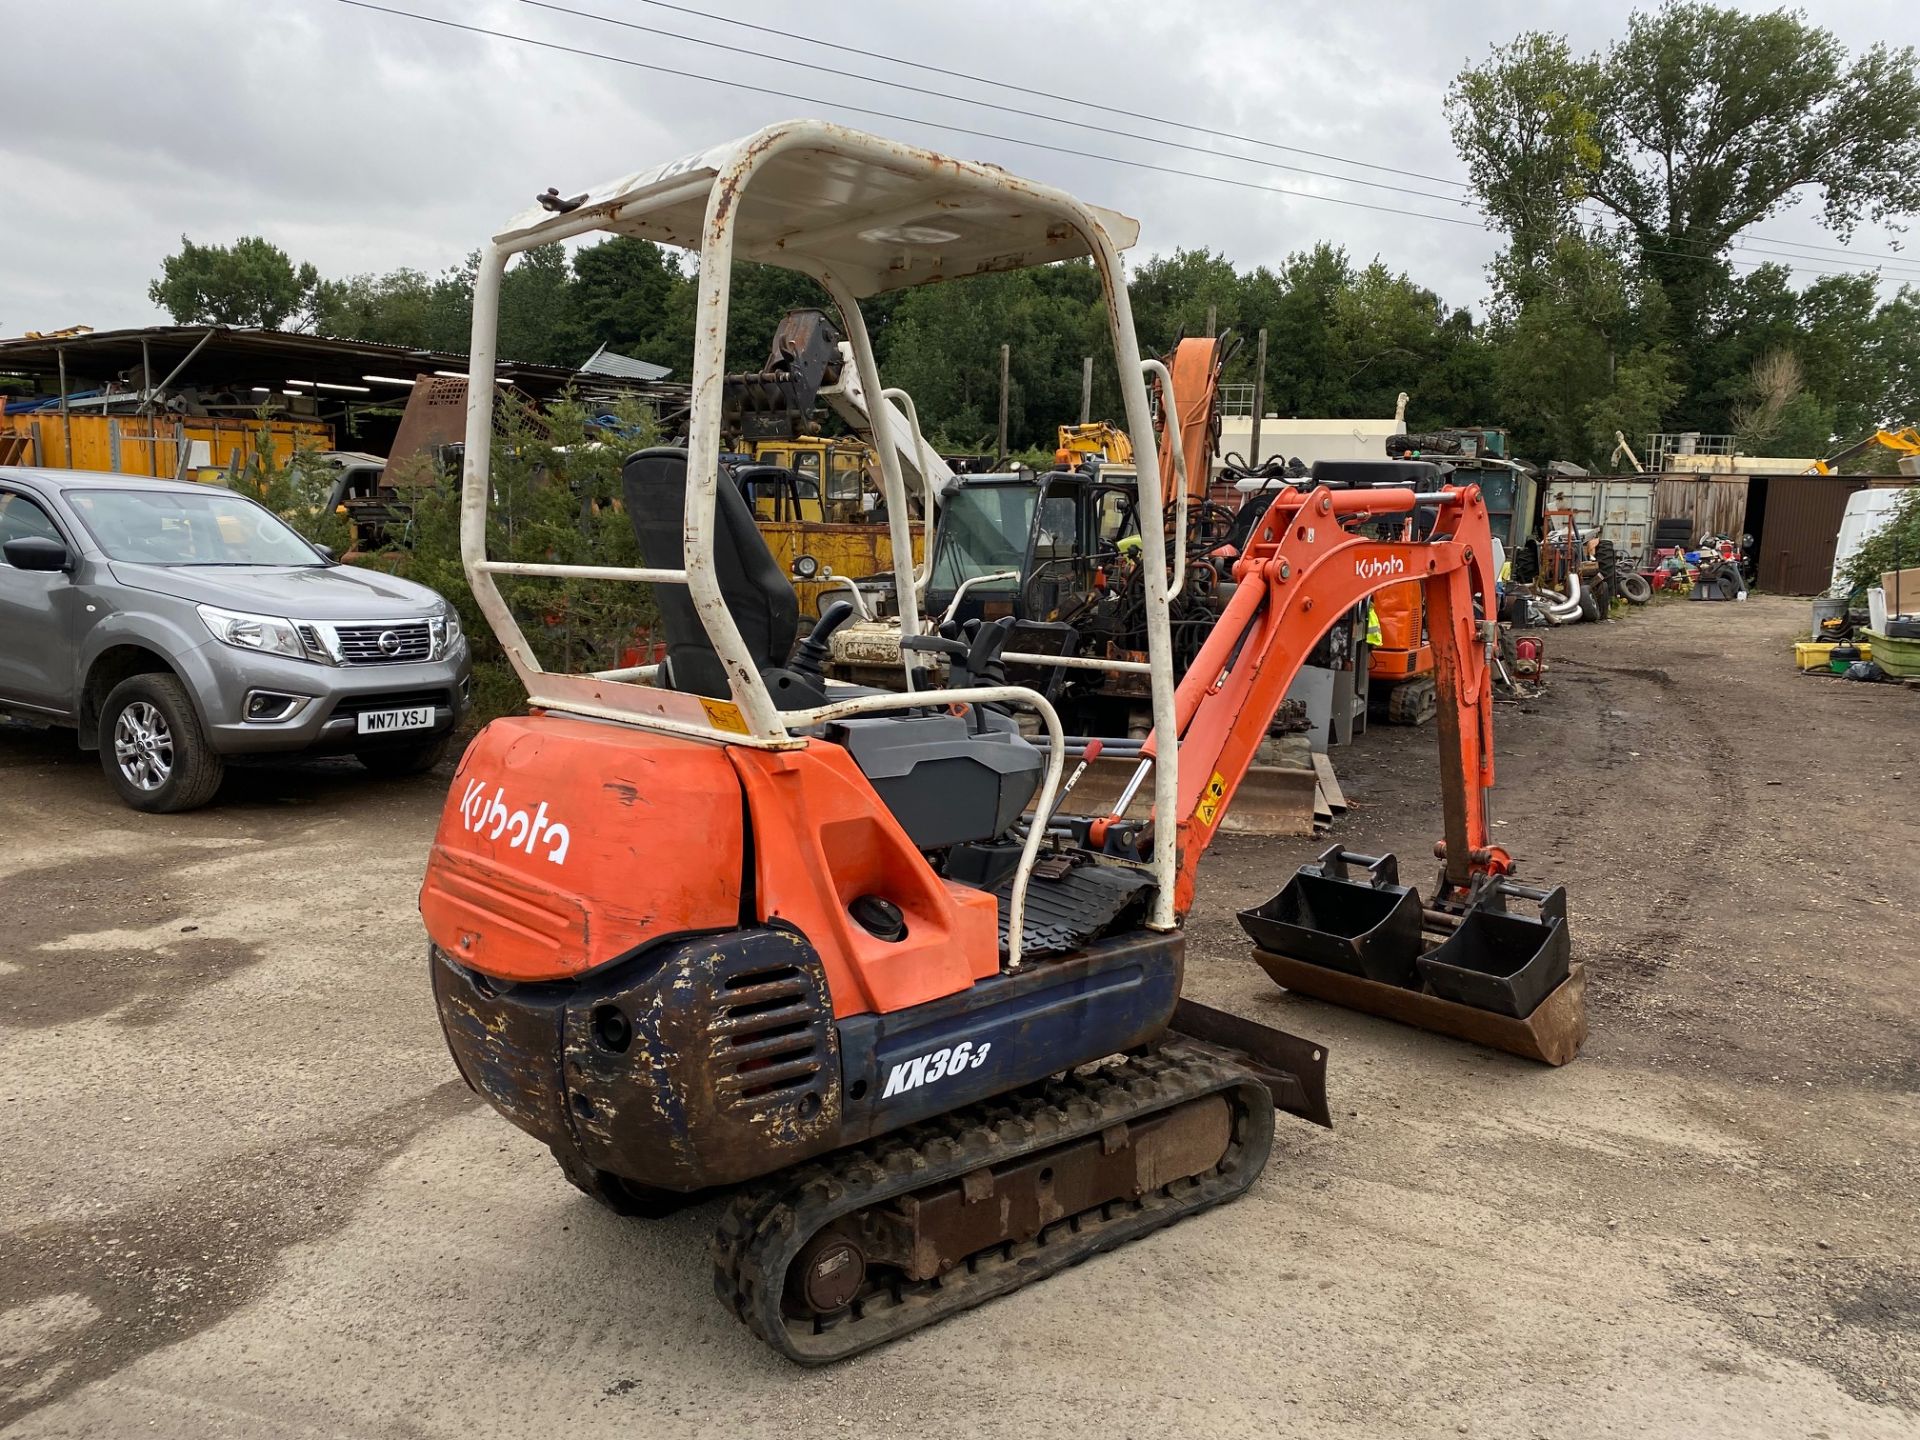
(534, 308)
(1578, 353)
(1895, 340)
(1527, 140)
(632, 296)
(1171, 295)
(250, 282)
(392, 309)
(1698, 124)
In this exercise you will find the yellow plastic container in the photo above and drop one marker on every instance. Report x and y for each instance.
(1813, 654)
(1818, 654)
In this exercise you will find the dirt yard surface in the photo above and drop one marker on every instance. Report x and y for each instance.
(243, 1193)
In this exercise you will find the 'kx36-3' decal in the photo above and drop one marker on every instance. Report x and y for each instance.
(940, 1065)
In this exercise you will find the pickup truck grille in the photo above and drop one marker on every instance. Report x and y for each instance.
(402, 642)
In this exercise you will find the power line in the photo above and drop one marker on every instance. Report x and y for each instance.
(1897, 264)
(1083, 103)
(742, 85)
(1022, 114)
(1894, 270)
(901, 119)
(1029, 91)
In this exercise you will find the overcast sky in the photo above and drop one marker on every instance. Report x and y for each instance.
(363, 141)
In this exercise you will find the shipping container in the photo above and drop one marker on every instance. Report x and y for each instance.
(1621, 506)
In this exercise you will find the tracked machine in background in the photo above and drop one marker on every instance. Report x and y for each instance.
(847, 954)
(1060, 555)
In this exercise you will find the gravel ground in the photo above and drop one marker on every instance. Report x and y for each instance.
(243, 1194)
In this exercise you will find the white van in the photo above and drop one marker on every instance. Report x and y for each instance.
(1866, 512)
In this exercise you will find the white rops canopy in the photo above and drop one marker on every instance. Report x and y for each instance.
(875, 221)
(863, 216)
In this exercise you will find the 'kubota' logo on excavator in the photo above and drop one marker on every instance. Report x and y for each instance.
(1381, 566)
(491, 817)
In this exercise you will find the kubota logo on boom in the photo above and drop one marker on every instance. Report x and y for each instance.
(1380, 566)
(491, 818)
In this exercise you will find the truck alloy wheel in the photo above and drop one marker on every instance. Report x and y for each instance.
(143, 746)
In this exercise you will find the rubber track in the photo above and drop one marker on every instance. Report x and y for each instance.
(764, 1228)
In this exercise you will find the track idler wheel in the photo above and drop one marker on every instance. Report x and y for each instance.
(829, 1273)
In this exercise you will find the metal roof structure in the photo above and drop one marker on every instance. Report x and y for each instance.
(609, 362)
(205, 357)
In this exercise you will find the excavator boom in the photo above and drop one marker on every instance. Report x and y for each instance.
(1486, 974)
(1301, 570)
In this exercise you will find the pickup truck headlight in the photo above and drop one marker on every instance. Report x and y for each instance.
(446, 632)
(267, 633)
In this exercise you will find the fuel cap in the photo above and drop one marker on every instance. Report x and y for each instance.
(879, 917)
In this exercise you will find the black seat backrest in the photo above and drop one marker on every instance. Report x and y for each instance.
(1420, 476)
(757, 594)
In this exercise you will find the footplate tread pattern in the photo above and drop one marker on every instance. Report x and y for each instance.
(1065, 913)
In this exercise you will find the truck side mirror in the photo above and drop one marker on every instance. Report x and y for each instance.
(327, 552)
(36, 552)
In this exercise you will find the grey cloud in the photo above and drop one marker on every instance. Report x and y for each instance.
(364, 142)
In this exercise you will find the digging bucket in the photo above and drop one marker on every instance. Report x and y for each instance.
(1499, 961)
(1367, 927)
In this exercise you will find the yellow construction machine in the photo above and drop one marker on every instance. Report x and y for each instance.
(816, 498)
(1101, 440)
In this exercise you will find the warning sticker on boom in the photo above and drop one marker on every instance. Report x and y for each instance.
(1211, 799)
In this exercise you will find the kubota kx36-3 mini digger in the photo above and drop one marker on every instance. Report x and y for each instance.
(725, 925)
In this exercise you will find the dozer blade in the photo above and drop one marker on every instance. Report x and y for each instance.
(1270, 799)
(1293, 1070)
(1479, 973)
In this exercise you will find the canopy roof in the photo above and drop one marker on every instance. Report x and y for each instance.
(877, 215)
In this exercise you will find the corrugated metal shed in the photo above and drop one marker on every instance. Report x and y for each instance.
(222, 355)
(1799, 528)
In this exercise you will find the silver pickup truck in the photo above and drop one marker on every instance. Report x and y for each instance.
(174, 625)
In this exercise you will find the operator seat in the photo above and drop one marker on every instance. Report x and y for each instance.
(760, 598)
(944, 782)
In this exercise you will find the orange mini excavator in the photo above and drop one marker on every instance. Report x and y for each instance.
(722, 925)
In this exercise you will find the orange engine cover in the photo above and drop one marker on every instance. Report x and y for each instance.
(566, 843)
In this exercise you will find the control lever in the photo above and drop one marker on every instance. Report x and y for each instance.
(1087, 757)
(810, 655)
(983, 660)
(954, 650)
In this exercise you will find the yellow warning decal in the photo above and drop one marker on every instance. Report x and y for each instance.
(1211, 799)
(724, 715)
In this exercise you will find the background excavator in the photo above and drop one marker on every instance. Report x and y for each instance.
(1060, 555)
(724, 925)
(1100, 440)
(816, 496)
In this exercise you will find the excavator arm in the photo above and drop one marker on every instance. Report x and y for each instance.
(1304, 567)
(1195, 369)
